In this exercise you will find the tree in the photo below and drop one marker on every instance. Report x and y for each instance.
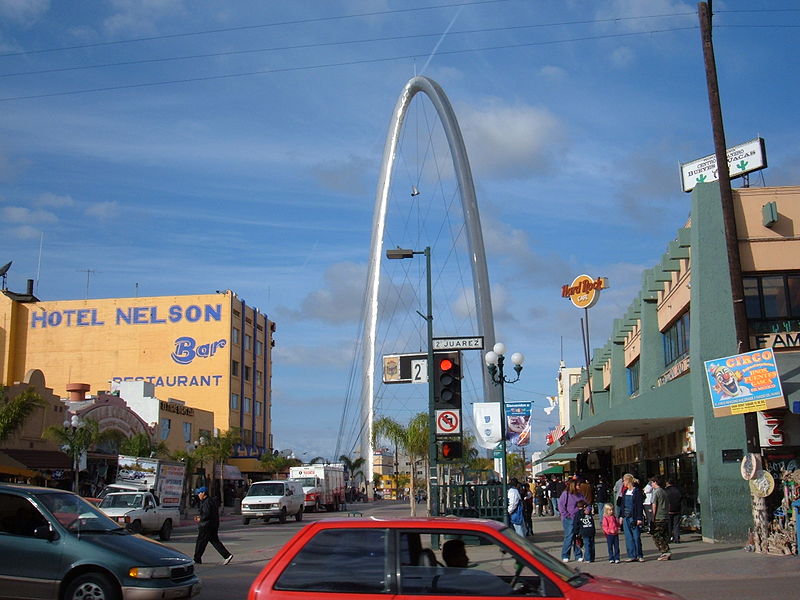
(276, 464)
(413, 439)
(141, 444)
(15, 411)
(76, 440)
(219, 448)
(353, 467)
(190, 462)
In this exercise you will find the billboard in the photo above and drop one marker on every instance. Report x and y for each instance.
(744, 383)
(518, 423)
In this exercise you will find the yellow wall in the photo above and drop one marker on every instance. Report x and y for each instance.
(756, 242)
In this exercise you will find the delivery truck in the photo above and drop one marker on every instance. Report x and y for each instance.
(163, 478)
(323, 485)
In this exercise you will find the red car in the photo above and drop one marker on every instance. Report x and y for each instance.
(438, 557)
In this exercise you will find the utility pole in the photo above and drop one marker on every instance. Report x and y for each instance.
(732, 244)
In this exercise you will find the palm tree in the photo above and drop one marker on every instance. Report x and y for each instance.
(219, 449)
(354, 467)
(15, 411)
(190, 462)
(75, 440)
(141, 444)
(275, 463)
(413, 439)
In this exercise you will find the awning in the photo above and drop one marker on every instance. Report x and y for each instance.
(9, 466)
(39, 459)
(556, 469)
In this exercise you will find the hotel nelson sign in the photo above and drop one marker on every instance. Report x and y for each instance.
(173, 350)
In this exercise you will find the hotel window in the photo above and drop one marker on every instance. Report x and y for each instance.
(259, 348)
(187, 432)
(258, 408)
(247, 372)
(165, 427)
(259, 440)
(633, 377)
(676, 340)
(259, 378)
(248, 342)
(247, 437)
(234, 368)
(774, 296)
(246, 405)
(235, 336)
(234, 401)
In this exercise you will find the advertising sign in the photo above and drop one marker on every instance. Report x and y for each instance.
(742, 159)
(744, 383)
(584, 291)
(486, 416)
(518, 423)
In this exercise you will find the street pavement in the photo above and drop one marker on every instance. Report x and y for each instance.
(697, 571)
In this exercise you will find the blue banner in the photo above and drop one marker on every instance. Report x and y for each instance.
(518, 423)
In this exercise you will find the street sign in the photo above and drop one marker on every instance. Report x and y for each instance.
(405, 368)
(448, 422)
(458, 343)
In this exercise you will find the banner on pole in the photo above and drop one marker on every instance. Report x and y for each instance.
(487, 423)
(518, 423)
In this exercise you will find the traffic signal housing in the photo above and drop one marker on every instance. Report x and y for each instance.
(451, 450)
(447, 380)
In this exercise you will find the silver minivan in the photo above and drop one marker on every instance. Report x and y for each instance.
(278, 499)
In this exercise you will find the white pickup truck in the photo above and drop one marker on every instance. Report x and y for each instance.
(141, 513)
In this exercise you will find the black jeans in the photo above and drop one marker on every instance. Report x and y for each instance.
(675, 527)
(204, 536)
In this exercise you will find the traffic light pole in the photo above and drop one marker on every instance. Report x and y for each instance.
(432, 453)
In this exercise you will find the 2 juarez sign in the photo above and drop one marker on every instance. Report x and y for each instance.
(584, 291)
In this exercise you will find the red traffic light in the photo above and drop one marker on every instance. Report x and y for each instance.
(445, 364)
(451, 450)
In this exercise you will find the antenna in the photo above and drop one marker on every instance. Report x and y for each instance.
(4, 273)
(89, 272)
(39, 265)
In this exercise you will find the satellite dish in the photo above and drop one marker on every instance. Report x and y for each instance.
(4, 269)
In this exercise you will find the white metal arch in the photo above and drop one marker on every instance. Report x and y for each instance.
(480, 276)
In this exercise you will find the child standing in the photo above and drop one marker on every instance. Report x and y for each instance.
(611, 529)
(583, 526)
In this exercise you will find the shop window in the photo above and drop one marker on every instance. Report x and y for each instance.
(633, 377)
(235, 368)
(187, 432)
(773, 292)
(774, 296)
(676, 340)
(234, 401)
(166, 424)
(235, 336)
(246, 405)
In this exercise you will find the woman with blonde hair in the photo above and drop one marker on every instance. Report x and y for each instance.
(632, 517)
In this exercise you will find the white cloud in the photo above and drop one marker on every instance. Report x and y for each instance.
(54, 200)
(553, 73)
(26, 216)
(350, 175)
(25, 232)
(137, 16)
(340, 300)
(512, 141)
(23, 12)
(103, 210)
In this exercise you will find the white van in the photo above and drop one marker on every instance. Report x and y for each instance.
(279, 499)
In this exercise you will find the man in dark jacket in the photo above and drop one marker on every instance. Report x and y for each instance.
(208, 527)
(674, 495)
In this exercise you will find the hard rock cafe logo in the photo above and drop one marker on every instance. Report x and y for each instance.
(584, 291)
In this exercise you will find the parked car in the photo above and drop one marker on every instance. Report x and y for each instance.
(141, 513)
(273, 499)
(64, 548)
(446, 557)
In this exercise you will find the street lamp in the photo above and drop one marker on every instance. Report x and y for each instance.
(398, 254)
(494, 363)
(72, 428)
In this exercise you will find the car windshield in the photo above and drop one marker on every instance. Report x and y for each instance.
(74, 513)
(561, 570)
(265, 489)
(122, 501)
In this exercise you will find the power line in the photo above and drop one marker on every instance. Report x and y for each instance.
(333, 64)
(248, 27)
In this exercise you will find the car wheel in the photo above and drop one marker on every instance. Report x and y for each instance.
(166, 531)
(94, 586)
(282, 516)
(245, 520)
(299, 516)
(136, 526)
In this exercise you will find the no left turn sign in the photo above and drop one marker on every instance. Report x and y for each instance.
(448, 421)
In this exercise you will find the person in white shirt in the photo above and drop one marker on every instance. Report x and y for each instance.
(648, 507)
(515, 512)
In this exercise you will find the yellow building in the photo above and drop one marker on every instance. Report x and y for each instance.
(211, 351)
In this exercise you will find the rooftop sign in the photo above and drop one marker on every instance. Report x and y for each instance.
(742, 159)
(584, 291)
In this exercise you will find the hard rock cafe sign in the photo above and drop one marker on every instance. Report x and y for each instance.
(584, 291)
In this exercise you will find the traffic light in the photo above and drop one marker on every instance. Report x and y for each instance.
(447, 380)
(451, 450)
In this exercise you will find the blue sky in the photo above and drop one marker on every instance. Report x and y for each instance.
(252, 165)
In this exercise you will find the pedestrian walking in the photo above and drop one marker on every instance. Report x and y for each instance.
(583, 528)
(516, 514)
(540, 498)
(675, 497)
(632, 517)
(208, 527)
(527, 508)
(568, 510)
(660, 509)
(610, 526)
